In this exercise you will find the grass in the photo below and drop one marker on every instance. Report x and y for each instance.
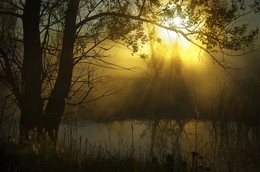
(17, 158)
(236, 147)
(41, 156)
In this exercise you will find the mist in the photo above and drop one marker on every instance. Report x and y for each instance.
(132, 85)
(173, 87)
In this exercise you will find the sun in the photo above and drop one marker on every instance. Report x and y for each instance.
(173, 42)
(177, 21)
(179, 24)
(171, 36)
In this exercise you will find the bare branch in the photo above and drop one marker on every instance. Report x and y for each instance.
(10, 75)
(12, 14)
(142, 8)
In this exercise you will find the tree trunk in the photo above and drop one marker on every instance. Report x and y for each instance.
(31, 103)
(56, 103)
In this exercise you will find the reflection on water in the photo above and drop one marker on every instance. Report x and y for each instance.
(219, 145)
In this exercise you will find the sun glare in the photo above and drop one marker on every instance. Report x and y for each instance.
(174, 41)
(170, 36)
(173, 44)
(177, 21)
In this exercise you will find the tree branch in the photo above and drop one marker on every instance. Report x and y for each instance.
(142, 8)
(9, 74)
(138, 18)
(12, 14)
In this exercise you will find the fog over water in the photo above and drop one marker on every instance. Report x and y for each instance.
(169, 85)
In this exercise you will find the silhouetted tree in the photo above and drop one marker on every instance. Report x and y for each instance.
(50, 37)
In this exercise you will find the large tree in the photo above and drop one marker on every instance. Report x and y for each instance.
(49, 39)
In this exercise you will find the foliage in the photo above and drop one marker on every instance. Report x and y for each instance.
(45, 44)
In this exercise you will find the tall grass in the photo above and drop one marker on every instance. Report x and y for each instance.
(228, 140)
(43, 155)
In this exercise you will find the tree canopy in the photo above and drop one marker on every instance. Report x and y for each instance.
(43, 43)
